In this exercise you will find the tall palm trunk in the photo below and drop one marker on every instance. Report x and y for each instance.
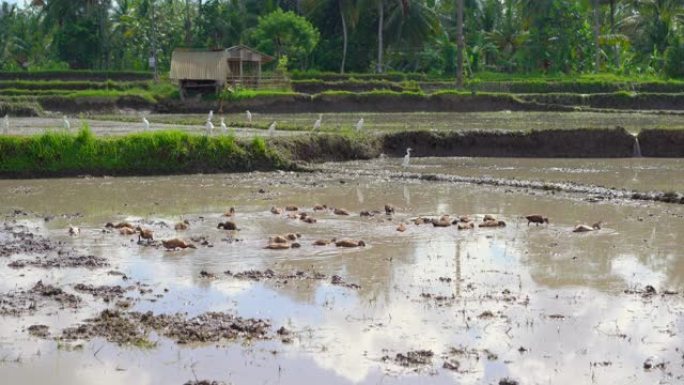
(344, 36)
(616, 49)
(188, 25)
(381, 21)
(597, 32)
(460, 43)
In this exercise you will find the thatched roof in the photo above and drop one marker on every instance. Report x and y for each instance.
(199, 65)
(247, 54)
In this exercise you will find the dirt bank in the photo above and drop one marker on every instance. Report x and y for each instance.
(363, 102)
(618, 100)
(94, 104)
(662, 143)
(579, 143)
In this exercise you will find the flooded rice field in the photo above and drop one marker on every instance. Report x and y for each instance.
(638, 174)
(509, 304)
(503, 120)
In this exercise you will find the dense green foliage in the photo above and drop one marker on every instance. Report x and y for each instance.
(627, 37)
(167, 152)
(286, 34)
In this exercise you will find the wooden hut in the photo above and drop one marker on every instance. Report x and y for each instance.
(214, 69)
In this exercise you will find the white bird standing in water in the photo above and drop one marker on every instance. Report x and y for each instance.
(317, 123)
(67, 125)
(359, 125)
(249, 116)
(224, 128)
(210, 127)
(407, 158)
(6, 123)
(272, 128)
(210, 116)
(146, 123)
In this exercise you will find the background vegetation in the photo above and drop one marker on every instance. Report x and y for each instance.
(550, 37)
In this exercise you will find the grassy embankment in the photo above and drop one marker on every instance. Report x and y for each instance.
(169, 152)
(29, 94)
(174, 152)
(79, 91)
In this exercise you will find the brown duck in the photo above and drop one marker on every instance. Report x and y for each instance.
(493, 224)
(145, 234)
(323, 242)
(176, 243)
(537, 219)
(182, 225)
(349, 243)
(465, 226)
(227, 225)
(339, 211)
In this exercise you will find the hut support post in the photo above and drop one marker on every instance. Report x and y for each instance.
(258, 80)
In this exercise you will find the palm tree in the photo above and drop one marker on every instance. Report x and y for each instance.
(379, 5)
(460, 42)
(597, 34)
(349, 15)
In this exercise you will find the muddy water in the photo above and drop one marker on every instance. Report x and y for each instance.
(639, 174)
(536, 304)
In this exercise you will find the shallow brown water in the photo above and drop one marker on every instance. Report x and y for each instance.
(640, 174)
(559, 311)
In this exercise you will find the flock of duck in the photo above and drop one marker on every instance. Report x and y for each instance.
(292, 240)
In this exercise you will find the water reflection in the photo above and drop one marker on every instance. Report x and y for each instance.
(557, 295)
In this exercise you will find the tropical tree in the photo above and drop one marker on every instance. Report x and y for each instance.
(286, 33)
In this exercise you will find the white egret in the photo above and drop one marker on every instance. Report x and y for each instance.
(6, 123)
(224, 128)
(272, 128)
(317, 123)
(249, 116)
(211, 115)
(67, 125)
(210, 127)
(359, 125)
(407, 158)
(146, 124)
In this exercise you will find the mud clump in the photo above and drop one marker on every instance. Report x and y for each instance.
(507, 381)
(207, 327)
(204, 382)
(339, 281)
(62, 261)
(112, 325)
(56, 294)
(107, 293)
(42, 331)
(451, 365)
(413, 358)
(132, 328)
(28, 301)
(258, 275)
(17, 239)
